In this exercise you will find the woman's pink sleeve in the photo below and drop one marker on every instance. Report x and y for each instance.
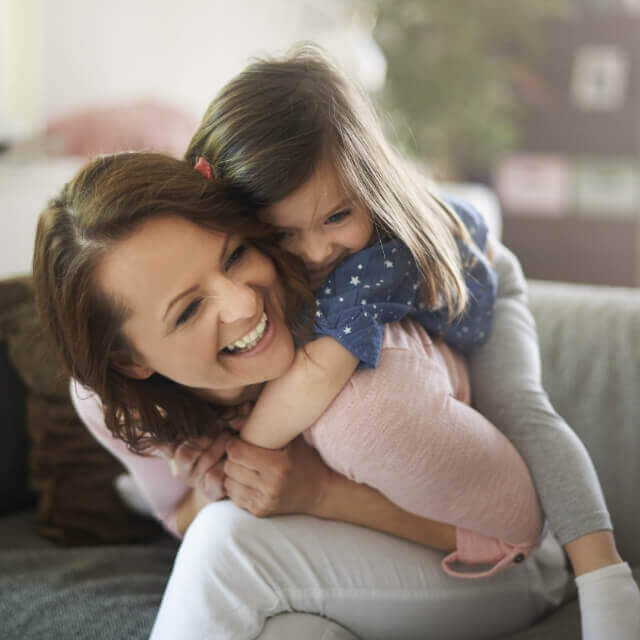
(150, 473)
(400, 429)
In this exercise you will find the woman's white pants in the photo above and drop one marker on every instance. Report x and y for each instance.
(234, 574)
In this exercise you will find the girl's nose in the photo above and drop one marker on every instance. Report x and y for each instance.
(314, 249)
(238, 301)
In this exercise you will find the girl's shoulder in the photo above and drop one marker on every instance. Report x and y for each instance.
(472, 219)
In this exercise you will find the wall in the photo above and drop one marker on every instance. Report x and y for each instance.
(66, 53)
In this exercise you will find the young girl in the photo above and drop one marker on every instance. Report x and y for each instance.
(376, 284)
(269, 133)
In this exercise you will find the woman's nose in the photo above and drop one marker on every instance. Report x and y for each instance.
(238, 301)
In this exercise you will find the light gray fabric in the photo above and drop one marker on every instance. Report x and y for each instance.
(85, 593)
(505, 376)
(591, 369)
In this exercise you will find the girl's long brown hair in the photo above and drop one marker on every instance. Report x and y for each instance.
(104, 203)
(269, 129)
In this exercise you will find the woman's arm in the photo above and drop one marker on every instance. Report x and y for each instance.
(292, 403)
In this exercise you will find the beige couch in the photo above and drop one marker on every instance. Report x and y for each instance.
(590, 341)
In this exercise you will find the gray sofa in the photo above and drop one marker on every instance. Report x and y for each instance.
(590, 341)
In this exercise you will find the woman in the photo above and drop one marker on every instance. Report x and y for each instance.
(144, 274)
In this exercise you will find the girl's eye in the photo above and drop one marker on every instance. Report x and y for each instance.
(189, 311)
(237, 253)
(339, 216)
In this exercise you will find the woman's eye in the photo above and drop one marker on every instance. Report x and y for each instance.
(339, 216)
(237, 253)
(189, 311)
(282, 236)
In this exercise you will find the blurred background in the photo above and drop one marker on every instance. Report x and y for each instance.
(530, 106)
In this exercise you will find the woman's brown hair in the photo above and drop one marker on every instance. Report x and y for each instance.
(271, 126)
(103, 204)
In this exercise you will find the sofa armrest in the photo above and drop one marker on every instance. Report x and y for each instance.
(590, 348)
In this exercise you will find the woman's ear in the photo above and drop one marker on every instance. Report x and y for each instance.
(132, 369)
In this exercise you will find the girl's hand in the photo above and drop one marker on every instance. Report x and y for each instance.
(267, 482)
(199, 464)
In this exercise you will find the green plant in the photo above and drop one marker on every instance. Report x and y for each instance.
(449, 90)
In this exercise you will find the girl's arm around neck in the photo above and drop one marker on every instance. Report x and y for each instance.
(292, 403)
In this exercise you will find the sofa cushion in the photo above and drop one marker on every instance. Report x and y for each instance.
(70, 472)
(14, 484)
(590, 341)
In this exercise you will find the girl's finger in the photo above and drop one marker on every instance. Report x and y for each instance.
(185, 456)
(165, 450)
(212, 483)
(210, 456)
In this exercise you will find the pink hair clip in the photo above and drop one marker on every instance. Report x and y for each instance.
(203, 167)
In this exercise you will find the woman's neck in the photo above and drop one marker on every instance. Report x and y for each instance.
(232, 397)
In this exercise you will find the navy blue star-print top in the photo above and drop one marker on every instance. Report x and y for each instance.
(381, 284)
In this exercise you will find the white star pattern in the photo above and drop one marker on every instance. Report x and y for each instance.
(341, 299)
(363, 302)
(346, 331)
(360, 266)
(327, 290)
(388, 264)
(355, 281)
(318, 314)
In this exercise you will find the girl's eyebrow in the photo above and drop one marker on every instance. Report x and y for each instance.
(345, 202)
(193, 287)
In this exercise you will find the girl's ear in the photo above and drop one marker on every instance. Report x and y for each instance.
(132, 369)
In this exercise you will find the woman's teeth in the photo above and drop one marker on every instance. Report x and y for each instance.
(252, 338)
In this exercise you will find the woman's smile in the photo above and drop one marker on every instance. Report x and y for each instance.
(254, 342)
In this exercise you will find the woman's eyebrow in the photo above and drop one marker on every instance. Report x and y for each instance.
(193, 287)
(186, 292)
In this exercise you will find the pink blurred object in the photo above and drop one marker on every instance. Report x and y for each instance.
(142, 125)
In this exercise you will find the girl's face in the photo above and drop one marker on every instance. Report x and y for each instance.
(205, 308)
(321, 224)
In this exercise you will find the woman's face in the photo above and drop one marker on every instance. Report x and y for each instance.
(320, 224)
(198, 301)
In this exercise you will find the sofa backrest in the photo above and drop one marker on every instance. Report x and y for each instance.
(590, 348)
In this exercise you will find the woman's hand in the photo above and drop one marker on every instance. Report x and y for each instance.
(267, 482)
(199, 464)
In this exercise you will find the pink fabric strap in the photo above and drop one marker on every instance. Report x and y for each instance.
(472, 549)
